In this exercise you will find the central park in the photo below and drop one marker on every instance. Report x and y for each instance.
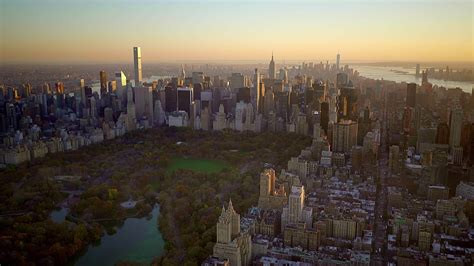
(170, 181)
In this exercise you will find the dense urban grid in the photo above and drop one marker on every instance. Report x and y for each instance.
(388, 176)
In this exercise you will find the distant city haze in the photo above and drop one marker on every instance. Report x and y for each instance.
(103, 31)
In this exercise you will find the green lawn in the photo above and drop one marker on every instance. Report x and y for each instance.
(198, 165)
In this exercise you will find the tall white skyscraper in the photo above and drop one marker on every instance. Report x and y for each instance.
(137, 62)
(256, 85)
(272, 69)
(338, 60)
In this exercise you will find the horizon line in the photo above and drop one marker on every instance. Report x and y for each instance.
(258, 61)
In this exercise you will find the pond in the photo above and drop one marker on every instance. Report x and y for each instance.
(138, 240)
(59, 216)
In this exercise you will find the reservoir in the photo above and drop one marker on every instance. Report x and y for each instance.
(138, 240)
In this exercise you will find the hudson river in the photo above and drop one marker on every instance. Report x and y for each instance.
(386, 73)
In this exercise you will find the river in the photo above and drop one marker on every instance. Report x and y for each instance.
(374, 72)
(138, 240)
(386, 73)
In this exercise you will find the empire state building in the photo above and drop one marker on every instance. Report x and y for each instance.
(272, 69)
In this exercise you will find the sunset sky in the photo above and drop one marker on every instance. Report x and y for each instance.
(106, 30)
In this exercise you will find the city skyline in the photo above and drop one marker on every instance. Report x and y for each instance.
(265, 132)
(90, 31)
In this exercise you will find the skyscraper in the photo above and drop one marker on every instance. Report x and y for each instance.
(83, 91)
(455, 126)
(144, 102)
(411, 95)
(103, 82)
(256, 85)
(272, 69)
(137, 63)
(283, 75)
(121, 82)
(182, 74)
(295, 204)
(417, 73)
(237, 81)
(424, 77)
(341, 80)
(131, 114)
(347, 104)
(338, 59)
(243, 95)
(185, 97)
(325, 116)
(198, 77)
(344, 136)
(171, 98)
(442, 134)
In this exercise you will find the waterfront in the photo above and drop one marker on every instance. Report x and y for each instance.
(401, 74)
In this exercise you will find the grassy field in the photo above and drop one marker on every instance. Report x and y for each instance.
(198, 165)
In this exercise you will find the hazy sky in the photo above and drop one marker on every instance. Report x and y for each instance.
(106, 30)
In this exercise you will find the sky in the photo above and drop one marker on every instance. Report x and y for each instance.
(104, 31)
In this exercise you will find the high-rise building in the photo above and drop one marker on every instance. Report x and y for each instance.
(231, 244)
(197, 89)
(137, 63)
(112, 85)
(185, 97)
(220, 123)
(171, 98)
(260, 97)
(243, 95)
(131, 114)
(344, 136)
(442, 133)
(338, 59)
(457, 153)
(144, 102)
(256, 85)
(455, 127)
(121, 79)
(93, 107)
(237, 81)
(121, 82)
(283, 75)
(282, 101)
(59, 87)
(424, 78)
(417, 73)
(182, 74)
(411, 95)
(341, 80)
(83, 91)
(393, 158)
(325, 117)
(295, 204)
(272, 69)
(198, 77)
(268, 102)
(347, 104)
(103, 82)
